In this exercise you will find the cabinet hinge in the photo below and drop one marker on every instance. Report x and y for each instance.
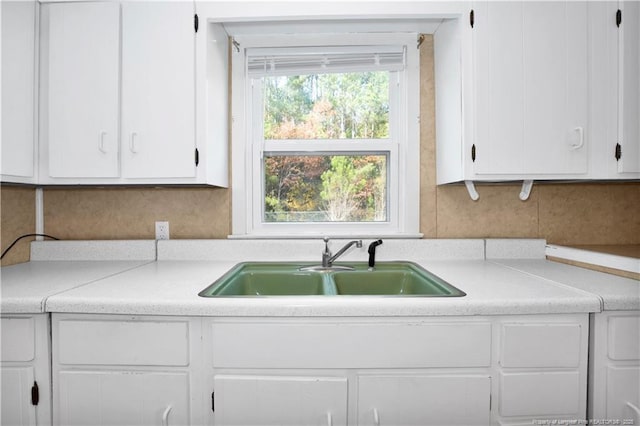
(213, 404)
(196, 22)
(35, 394)
(197, 157)
(472, 18)
(618, 152)
(473, 152)
(618, 18)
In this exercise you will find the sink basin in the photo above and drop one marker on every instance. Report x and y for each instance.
(266, 279)
(302, 279)
(393, 278)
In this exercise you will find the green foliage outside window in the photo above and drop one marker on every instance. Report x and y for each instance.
(318, 188)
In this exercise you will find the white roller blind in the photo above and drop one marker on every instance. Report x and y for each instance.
(330, 59)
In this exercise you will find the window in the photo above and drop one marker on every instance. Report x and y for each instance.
(325, 135)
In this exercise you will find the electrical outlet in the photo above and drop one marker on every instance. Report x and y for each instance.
(162, 230)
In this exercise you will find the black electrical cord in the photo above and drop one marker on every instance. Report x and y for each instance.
(24, 236)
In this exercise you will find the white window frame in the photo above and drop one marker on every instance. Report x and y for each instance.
(248, 146)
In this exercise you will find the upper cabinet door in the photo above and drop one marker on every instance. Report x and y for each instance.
(83, 67)
(18, 74)
(629, 116)
(530, 63)
(158, 90)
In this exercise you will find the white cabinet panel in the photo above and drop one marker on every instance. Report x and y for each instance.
(25, 370)
(110, 398)
(83, 89)
(16, 396)
(629, 50)
(158, 90)
(623, 392)
(18, 339)
(436, 400)
(540, 393)
(18, 89)
(280, 400)
(304, 345)
(624, 337)
(104, 342)
(499, 66)
(541, 345)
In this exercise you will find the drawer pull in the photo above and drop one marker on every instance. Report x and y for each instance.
(329, 419)
(165, 416)
(580, 142)
(101, 147)
(635, 412)
(133, 144)
(376, 417)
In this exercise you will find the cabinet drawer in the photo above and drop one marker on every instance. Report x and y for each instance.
(123, 342)
(351, 345)
(540, 345)
(624, 337)
(18, 339)
(540, 393)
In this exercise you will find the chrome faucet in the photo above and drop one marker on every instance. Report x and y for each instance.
(328, 259)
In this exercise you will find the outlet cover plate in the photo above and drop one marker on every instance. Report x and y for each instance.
(162, 230)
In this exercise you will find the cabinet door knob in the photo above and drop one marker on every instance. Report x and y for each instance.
(165, 416)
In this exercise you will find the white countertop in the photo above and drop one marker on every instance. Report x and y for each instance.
(616, 293)
(527, 285)
(25, 287)
(58, 266)
(172, 287)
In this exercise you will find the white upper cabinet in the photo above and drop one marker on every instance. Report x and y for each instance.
(18, 91)
(520, 72)
(539, 90)
(83, 66)
(158, 90)
(530, 63)
(629, 99)
(614, 89)
(118, 102)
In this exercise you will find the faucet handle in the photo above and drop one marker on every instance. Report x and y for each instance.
(326, 246)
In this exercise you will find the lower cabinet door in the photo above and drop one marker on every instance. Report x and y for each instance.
(437, 400)
(623, 393)
(16, 396)
(123, 398)
(279, 400)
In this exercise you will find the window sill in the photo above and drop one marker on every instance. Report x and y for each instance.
(313, 236)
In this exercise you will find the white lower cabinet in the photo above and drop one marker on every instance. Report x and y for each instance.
(614, 366)
(123, 397)
(24, 370)
(396, 371)
(375, 371)
(424, 399)
(126, 370)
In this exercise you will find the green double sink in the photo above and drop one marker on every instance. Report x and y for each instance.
(291, 279)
